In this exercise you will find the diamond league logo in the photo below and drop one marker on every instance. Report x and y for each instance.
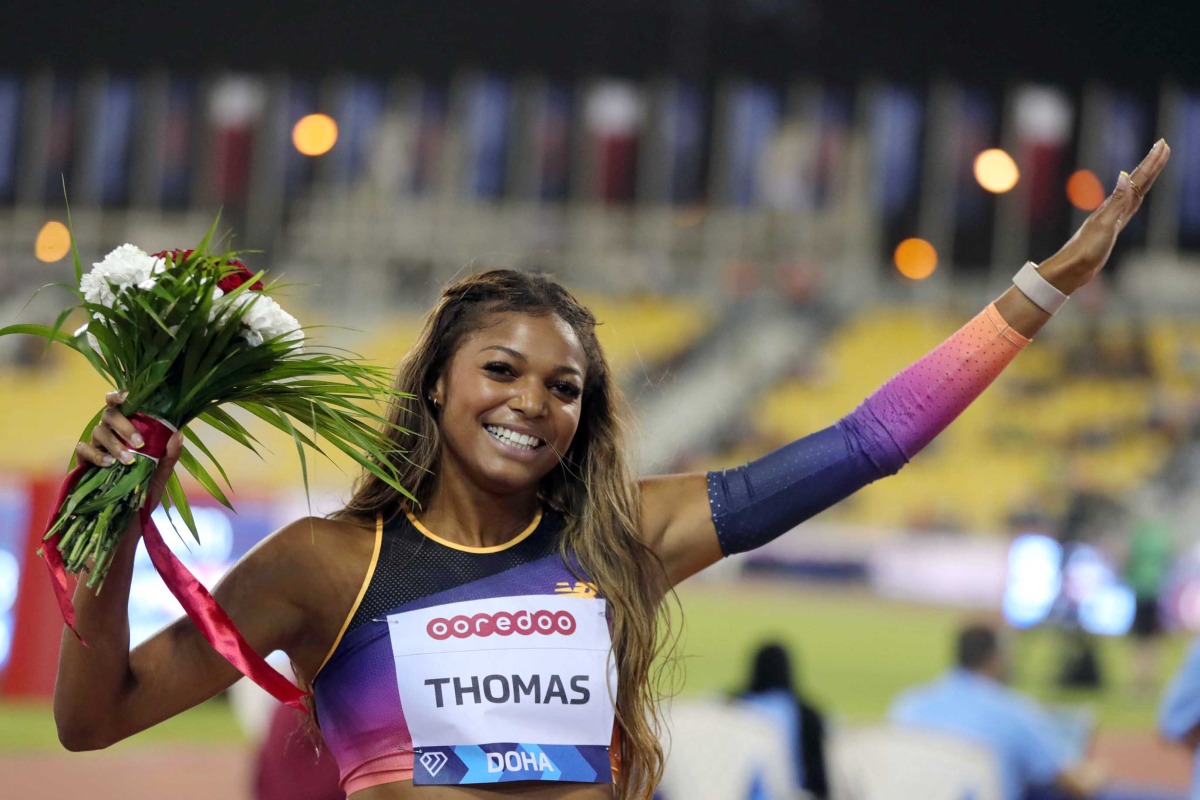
(434, 761)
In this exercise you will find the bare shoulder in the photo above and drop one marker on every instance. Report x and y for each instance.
(316, 567)
(319, 537)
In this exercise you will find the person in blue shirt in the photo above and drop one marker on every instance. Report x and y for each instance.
(972, 701)
(772, 693)
(1179, 714)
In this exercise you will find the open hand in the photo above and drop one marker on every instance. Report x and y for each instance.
(1088, 250)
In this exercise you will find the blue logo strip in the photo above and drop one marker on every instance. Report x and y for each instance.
(511, 761)
(438, 765)
(591, 761)
(553, 774)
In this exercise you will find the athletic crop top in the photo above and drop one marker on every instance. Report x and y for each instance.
(358, 688)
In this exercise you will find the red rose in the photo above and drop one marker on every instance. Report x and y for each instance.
(236, 278)
(229, 282)
(177, 256)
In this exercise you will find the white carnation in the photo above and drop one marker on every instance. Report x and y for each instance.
(122, 268)
(262, 319)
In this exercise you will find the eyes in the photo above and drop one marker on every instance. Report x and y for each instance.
(502, 370)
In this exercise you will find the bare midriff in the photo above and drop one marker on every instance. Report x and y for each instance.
(404, 790)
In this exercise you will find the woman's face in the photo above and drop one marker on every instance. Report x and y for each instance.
(510, 401)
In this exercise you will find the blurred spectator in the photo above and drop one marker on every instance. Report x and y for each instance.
(291, 760)
(973, 702)
(293, 763)
(1179, 714)
(772, 693)
(1087, 517)
(723, 751)
(1147, 568)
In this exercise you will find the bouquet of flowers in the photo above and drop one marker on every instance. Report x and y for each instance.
(184, 333)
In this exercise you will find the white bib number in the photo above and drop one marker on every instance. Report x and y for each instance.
(507, 688)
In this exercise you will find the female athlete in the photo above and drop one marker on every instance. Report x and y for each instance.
(497, 637)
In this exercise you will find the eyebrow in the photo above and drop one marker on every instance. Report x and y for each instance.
(517, 354)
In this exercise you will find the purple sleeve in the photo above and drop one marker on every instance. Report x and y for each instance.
(754, 503)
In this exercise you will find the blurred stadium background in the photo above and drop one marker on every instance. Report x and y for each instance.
(772, 205)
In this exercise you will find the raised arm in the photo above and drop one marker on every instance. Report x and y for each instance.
(693, 520)
(104, 692)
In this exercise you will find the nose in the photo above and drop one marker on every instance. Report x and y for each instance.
(529, 399)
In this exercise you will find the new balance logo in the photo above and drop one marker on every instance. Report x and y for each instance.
(434, 761)
(579, 589)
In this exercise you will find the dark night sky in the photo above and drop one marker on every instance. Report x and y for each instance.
(980, 41)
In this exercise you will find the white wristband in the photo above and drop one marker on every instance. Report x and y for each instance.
(1040, 291)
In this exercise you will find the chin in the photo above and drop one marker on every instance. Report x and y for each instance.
(506, 480)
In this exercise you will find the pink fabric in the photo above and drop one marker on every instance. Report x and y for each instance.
(919, 402)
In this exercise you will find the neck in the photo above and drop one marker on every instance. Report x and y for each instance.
(989, 671)
(468, 516)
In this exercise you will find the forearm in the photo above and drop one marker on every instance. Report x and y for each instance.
(94, 678)
(757, 502)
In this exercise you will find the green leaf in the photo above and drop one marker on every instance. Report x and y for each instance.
(75, 263)
(44, 331)
(191, 436)
(202, 476)
(203, 246)
(179, 498)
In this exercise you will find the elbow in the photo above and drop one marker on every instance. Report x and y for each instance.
(79, 739)
(79, 735)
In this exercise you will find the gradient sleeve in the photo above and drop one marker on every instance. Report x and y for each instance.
(754, 503)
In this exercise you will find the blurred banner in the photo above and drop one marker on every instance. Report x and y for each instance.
(552, 141)
(10, 121)
(486, 133)
(109, 147)
(977, 127)
(56, 160)
(752, 114)
(1185, 162)
(359, 112)
(432, 109)
(614, 118)
(180, 130)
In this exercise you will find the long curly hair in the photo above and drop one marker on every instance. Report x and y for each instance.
(593, 486)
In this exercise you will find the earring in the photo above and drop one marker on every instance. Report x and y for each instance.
(435, 402)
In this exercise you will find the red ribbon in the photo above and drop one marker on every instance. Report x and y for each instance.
(212, 621)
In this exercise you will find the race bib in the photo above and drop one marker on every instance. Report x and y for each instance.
(507, 689)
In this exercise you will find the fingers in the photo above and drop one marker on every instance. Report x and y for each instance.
(113, 437)
(118, 422)
(1117, 208)
(104, 438)
(166, 465)
(85, 453)
(1147, 172)
(1131, 189)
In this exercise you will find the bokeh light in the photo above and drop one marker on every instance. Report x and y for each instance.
(996, 171)
(315, 135)
(53, 242)
(915, 259)
(1084, 190)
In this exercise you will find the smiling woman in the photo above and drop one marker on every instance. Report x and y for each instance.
(493, 632)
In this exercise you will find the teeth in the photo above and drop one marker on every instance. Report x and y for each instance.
(512, 437)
